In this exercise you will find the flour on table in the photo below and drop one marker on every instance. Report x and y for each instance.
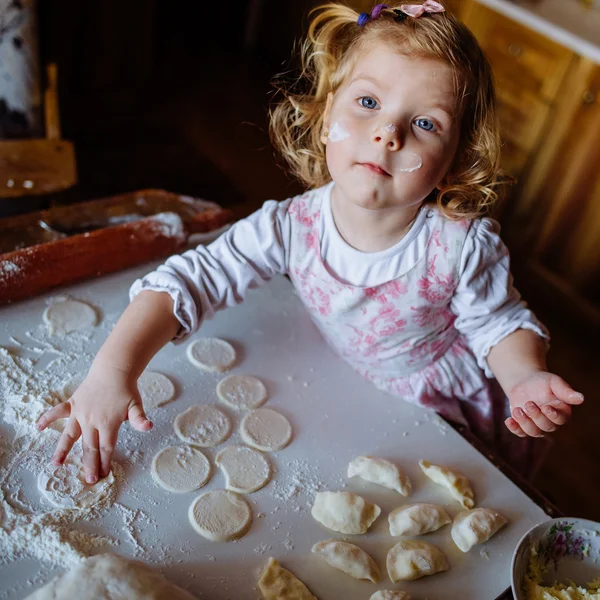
(155, 389)
(266, 429)
(65, 316)
(203, 425)
(211, 354)
(246, 470)
(242, 391)
(181, 469)
(71, 386)
(65, 485)
(220, 515)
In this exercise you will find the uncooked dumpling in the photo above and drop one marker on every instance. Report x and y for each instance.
(242, 392)
(246, 470)
(203, 425)
(110, 577)
(454, 481)
(220, 515)
(348, 558)
(180, 469)
(345, 512)
(472, 527)
(381, 472)
(417, 519)
(211, 354)
(277, 583)
(390, 595)
(412, 559)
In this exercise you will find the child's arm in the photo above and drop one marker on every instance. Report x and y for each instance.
(109, 394)
(539, 401)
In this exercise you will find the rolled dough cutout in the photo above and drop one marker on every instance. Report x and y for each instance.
(65, 486)
(107, 576)
(211, 354)
(65, 316)
(242, 391)
(266, 429)
(203, 425)
(155, 389)
(180, 469)
(246, 470)
(220, 515)
(277, 583)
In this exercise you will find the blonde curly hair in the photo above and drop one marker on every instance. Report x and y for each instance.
(329, 54)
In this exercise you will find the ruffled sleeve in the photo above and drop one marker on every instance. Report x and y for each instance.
(486, 304)
(210, 278)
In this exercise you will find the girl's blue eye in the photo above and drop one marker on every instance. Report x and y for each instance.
(425, 124)
(368, 102)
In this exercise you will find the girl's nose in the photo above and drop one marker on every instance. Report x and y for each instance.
(388, 135)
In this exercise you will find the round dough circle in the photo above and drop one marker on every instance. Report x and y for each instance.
(65, 316)
(242, 391)
(180, 469)
(203, 425)
(246, 470)
(211, 354)
(65, 485)
(266, 429)
(220, 515)
(155, 389)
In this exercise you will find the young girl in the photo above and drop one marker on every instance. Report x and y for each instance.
(395, 135)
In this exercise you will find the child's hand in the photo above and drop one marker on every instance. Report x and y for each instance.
(540, 404)
(107, 397)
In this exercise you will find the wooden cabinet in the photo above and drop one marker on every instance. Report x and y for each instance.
(549, 112)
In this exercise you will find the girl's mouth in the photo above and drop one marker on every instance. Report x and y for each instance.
(375, 169)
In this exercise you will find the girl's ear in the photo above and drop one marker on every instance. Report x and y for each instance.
(326, 119)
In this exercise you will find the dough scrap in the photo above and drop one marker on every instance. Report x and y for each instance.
(110, 577)
(417, 519)
(412, 559)
(180, 469)
(454, 481)
(246, 470)
(390, 595)
(155, 389)
(211, 354)
(203, 425)
(277, 583)
(65, 316)
(220, 515)
(242, 391)
(345, 512)
(348, 558)
(265, 429)
(382, 472)
(65, 486)
(472, 527)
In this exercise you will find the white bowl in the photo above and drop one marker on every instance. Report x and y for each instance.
(568, 549)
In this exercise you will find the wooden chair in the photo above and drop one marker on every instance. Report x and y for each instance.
(31, 167)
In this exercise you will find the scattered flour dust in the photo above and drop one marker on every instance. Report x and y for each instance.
(32, 376)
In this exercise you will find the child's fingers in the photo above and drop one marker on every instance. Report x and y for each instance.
(539, 418)
(558, 417)
(60, 411)
(69, 436)
(108, 442)
(563, 391)
(91, 454)
(514, 427)
(137, 417)
(526, 424)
